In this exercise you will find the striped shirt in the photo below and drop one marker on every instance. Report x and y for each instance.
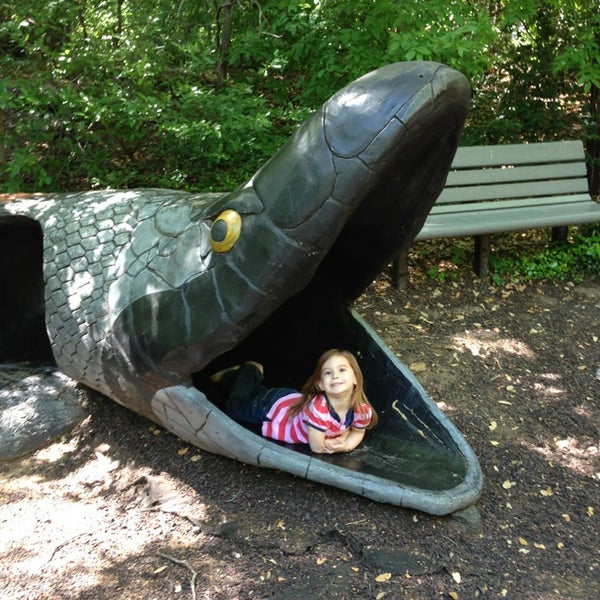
(318, 414)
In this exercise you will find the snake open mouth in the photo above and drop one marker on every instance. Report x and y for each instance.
(415, 445)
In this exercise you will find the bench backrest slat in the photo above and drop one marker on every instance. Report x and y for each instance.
(507, 154)
(513, 174)
(501, 191)
(515, 171)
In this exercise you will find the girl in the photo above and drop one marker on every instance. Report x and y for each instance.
(331, 413)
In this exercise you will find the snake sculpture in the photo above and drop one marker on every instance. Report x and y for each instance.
(141, 294)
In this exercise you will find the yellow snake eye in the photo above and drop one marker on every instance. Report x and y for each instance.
(225, 231)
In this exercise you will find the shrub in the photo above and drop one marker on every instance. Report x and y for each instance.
(574, 261)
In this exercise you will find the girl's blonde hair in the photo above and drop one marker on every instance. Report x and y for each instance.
(311, 388)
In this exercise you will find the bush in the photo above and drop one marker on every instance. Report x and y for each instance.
(573, 261)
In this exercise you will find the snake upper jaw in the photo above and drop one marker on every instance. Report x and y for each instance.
(347, 192)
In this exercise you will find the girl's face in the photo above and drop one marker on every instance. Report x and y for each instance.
(337, 377)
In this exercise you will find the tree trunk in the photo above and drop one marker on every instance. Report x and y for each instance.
(224, 25)
(2, 145)
(594, 143)
(119, 32)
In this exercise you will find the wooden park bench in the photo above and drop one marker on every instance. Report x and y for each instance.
(509, 187)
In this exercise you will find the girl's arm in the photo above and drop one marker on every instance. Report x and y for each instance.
(316, 440)
(347, 441)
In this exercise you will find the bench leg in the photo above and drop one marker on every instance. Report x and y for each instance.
(400, 271)
(560, 234)
(481, 261)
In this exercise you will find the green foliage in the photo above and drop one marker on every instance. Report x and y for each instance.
(579, 52)
(107, 111)
(524, 256)
(531, 94)
(190, 137)
(125, 94)
(348, 39)
(574, 261)
(450, 269)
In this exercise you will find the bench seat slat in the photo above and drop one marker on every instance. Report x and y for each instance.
(505, 205)
(460, 224)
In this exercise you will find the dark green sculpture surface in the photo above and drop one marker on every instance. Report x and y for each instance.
(141, 294)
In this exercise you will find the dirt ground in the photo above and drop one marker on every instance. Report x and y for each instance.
(119, 509)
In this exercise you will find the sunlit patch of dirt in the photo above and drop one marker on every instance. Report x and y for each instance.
(581, 456)
(485, 343)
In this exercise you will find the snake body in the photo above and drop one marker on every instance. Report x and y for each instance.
(146, 291)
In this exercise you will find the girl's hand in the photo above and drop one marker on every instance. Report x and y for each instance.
(346, 441)
(336, 444)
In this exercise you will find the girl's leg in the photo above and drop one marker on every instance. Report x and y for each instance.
(249, 400)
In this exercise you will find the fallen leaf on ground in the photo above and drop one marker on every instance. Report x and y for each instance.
(418, 367)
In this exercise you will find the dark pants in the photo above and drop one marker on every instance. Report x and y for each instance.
(249, 400)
